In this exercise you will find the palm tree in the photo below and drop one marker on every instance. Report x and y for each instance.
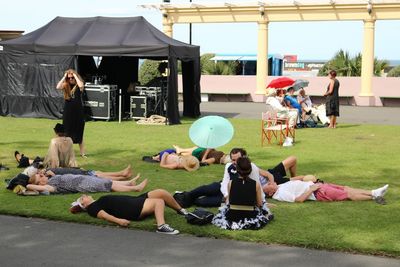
(347, 66)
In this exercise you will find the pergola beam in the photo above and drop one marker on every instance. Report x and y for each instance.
(327, 11)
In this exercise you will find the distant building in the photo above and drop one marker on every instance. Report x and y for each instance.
(248, 63)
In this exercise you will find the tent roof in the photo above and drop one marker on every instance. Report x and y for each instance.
(105, 36)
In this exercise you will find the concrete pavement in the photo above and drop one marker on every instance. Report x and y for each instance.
(36, 242)
(348, 114)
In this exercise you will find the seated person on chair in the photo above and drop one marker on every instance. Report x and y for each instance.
(316, 112)
(275, 104)
(291, 100)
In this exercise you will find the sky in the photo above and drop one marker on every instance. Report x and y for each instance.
(307, 40)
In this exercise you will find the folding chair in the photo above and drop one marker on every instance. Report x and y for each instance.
(273, 127)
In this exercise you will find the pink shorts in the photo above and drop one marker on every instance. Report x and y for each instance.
(331, 192)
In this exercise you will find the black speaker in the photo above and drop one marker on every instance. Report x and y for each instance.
(100, 101)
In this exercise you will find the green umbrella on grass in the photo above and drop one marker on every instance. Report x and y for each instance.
(211, 132)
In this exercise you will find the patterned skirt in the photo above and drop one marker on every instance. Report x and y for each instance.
(260, 219)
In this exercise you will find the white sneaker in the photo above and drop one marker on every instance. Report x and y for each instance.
(166, 229)
(380, 192)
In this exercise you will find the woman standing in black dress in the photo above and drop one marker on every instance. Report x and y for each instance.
(332, 99)
(73, 116)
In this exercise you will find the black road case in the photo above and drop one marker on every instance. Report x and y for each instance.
(100, 101)
(139, 107)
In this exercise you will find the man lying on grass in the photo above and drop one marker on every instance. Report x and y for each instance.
(121, 209)
(300, 191)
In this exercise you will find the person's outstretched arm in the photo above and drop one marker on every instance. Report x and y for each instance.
(40, 188)
(108, 217)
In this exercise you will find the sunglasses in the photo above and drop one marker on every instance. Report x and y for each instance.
(71, 78)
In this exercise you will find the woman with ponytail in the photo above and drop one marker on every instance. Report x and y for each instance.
(246, 208)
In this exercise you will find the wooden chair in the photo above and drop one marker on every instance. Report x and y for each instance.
(273, 127)
(285, 117)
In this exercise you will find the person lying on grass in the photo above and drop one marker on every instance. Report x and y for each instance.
(122, 209)
(169, 159)
(70, 183)
(206, 156)
(300, 191)
(49, 172)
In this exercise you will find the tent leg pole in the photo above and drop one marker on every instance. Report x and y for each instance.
(119, 106)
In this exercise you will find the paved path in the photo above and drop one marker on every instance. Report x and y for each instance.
(37, 242)
(349, 114)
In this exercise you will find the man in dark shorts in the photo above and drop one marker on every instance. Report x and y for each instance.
(277, 175)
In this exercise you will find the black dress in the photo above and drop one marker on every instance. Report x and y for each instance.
(120, 206)
(73, 117)
(332, 100)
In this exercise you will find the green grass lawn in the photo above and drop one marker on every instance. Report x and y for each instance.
(362, 156)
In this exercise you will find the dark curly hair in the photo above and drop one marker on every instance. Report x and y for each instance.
(243, 167)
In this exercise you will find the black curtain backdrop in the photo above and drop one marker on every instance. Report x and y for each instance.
(32, 64)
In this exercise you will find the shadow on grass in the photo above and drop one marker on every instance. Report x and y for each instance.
(348, 125)
(222, 114)
(27, 143)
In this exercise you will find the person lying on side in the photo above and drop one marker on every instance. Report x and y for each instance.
(204, 155)
(122, 209)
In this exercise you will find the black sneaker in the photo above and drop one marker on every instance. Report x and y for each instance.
(380, 200)
(166, 229)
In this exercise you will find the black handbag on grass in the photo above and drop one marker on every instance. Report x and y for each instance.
(199, 217)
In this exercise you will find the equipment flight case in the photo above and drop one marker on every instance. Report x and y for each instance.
(139, 107)
(100, 101)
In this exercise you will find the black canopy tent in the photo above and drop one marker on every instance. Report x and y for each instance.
(31, 65)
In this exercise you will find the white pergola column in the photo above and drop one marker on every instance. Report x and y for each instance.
(262, 54)
(367, 63)
(167, 28)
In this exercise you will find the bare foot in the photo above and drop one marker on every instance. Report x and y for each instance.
(133, 181)
(141, 186)
(127, 172)
(177, 149)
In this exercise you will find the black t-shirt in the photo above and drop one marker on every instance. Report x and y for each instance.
(120, 206)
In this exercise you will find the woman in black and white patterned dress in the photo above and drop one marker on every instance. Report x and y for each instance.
(246, 209)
